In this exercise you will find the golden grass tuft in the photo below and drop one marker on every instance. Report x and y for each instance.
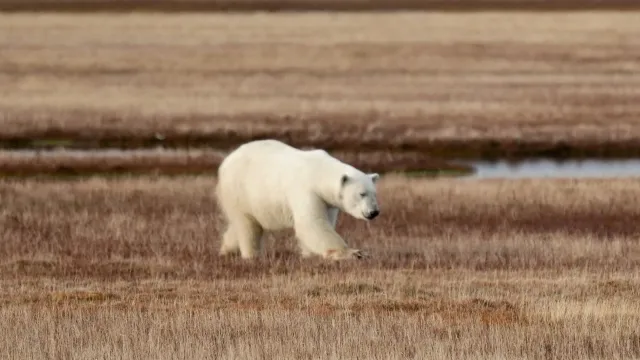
(81, 296)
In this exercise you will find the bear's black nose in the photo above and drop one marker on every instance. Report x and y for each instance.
(373, 214)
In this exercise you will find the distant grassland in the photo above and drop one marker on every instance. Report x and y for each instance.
(446, 84)
(301, 5)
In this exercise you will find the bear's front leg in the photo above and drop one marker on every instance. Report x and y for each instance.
(347, 253)
(332, 215)
(314, 228)
(322, 240)
(317, 236)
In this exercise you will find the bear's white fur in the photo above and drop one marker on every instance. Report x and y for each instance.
(269, 185)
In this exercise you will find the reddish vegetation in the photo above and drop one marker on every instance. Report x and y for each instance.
(169, 227)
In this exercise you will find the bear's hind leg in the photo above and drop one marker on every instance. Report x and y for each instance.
(249, 237)
(230, 243)
(305, 251)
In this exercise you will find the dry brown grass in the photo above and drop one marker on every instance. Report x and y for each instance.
(298, 5)
(127, 268)
(370, 316)
(333, 80)
(86, 227)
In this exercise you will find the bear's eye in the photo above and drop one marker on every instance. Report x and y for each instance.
(363, 194)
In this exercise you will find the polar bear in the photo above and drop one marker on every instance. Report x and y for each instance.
(269, 185)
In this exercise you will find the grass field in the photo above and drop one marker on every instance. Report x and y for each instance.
(450, 84)
(128, 268)
(314, 5)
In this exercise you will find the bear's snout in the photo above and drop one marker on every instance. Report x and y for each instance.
(372, 214)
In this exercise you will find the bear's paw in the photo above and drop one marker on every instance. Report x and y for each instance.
(344, 254)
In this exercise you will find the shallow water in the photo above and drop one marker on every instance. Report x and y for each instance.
(543, 168)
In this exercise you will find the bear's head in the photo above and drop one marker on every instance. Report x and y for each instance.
(358, 195)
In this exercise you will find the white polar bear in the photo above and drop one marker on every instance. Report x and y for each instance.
(269, 185)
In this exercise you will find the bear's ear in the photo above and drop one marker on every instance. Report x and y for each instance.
(344, 179)
(374, 177)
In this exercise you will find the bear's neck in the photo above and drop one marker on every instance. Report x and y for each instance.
(330, 170)
(330, 192)
(332, 198)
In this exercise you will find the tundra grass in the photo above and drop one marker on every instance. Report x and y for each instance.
(309, 5)
(128, 268)
(489, 84)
